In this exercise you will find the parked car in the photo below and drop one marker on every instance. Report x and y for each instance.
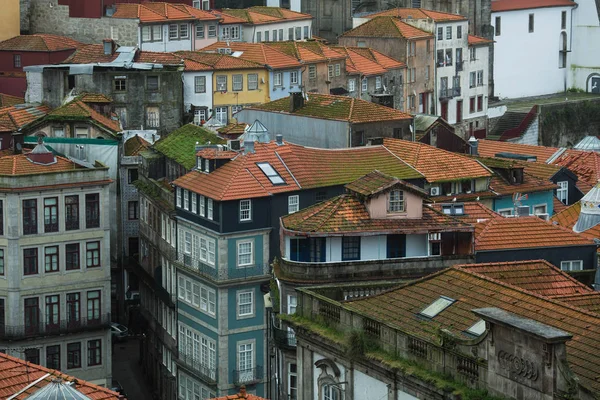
(119, 332)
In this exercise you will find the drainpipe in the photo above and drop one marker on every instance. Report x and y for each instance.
(570, 48)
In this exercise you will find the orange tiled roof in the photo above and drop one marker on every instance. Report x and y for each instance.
(378, 57)
(399, 308)
(530, 184)
(161, 12)
(15, 117)
(418, 13)
(259, 53)
(216, 154)
(357, 63)
(473, 213)
(233, 129)
(435, 164)
(134, 145)
(387, 27)
(537, 276)
(78, 110)
(308, 52)
(259, 15)
(584, 164)
(478, 41)
(94, 98)
(340, 108)
(376, 181)
(94, 53)
(489, 148)
(558, 205)
(20, 165)
(568, 218)
(511, 5)
(524, 233)
(588, 301)
(17, 375)
(309, 167)
(345, 214)
(209, 61)
(6, 100)
(40, 42)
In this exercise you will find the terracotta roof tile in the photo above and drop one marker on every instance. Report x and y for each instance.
(387, 27)
(378, 57)
(20, 165)
(478, 41)
(524, 233)
(530, 184)
(94, 98)
(399, 308)
(232, 130)
(78, 110)
(588, 301)
(435, 164)
(134, 145)
(309, 167)
(260, 15)
(6, 100)
(307, 52)
(584, 164)
(258, 53)
(568, 218)
(40, 42)
(558, 205)
(473, 212)
(417, 13)
(94, 53)
(511, 5)
(376, 181)
(216, 154)
(17, 374)
(208, 61)
(340, 108)
(367, 64)
(161, 12)
(345, 214)
(489, 148)
(15, 117)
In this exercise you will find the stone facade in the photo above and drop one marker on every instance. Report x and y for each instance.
(55, 20)
(24, 10)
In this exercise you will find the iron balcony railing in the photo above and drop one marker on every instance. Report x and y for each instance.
(459, 65)
(284, 338)
(195, 365)
(247, 376)
(41, 328)
(448, 93)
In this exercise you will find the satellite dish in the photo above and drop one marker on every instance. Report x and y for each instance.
(411, 128)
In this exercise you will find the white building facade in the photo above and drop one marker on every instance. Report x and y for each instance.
(584, 58)
(198, 93)
(532, 50)
(176, 36)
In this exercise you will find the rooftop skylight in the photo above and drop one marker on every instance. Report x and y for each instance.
(477, 328)
(270, 172)
(437, 307)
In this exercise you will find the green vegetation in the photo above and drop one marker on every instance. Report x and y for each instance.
(571, 120)
(180, 145)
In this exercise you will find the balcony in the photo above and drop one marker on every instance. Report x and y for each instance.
(448, 93)
(459, 65)
(203, 269)
(72, 224)
(456, 91)
(195, 366)
(247, 376)
(400, 268)
(19, 332)
(284, 338)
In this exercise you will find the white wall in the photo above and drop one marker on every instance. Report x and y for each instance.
(249, 32)
(416, 245)
(480, 63)
(372, 247)
(190, 97)
(527, 64)
(166, 45)
(585, 57)
(366, 387)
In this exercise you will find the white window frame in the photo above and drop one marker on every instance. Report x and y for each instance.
(293, 77)
(221, 83)
(237, 82)
(293, 204)
(212, 31)
(194, 203)
(252, 81)
(200, 84)
(187, 243)
(377, 82)
(562, 193)
(396, 204)
(569, 265)
(352, 85)
(178, 197)
(209, 211)
(250, 304)
(186, 200)
(199, 31)
(243, 252)
(202, 208)
(245, 210)
(539, 206)
(338, 70)
(365, 85)
(277, 79)
(312, 72)
(506, 211)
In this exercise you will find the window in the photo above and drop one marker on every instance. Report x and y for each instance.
(448, 58)
(152, 83)
(480, 103)
(173, 32)
(245, 300)
(364, 85)
(473, 53)
(330, 71)
(186, 200)
(94, 353)
(312, 72)
(298, 33)
(245, 210)
(267, 36)
(51, 259)
(209, 209)
(539, 209)
(331, 392)
(17, 61)
(294, 77)
(32, 314)
(73, 355)
(73, 309)
(498, 26)
(563, 20)
(448, 32)
(277, 79)
(200, 116)
(152, 117)
(245, 256)
(120, 84)
(573, 265)
(505, 211)
(132, 210)
(411, 102)
(290, 34)
(212, 31)
(480, 78)
(92, 210)
(221, 83)
(93, 306)
(132, 175)
(187, 243)
(377, 82)
(472, 79)
(238, 82)
(202, 208)
(51, 214)
(252, 81)
(1, 265)
(200, 84)
(440, 33)
(52, 311)
(292, 381)
(30, 261)
(337, 70)
(293, 204)
(435, 244)
(199, 31)
(245, 362)
(437, 307)
(232, 32)
(29, 217)
(92, 254)
(396, 202)
(562, 193)
(471, 105)
(32, 355)
(270, 173)
(194, 203)
(531, 25)
(197, 295)
(350, 248)
(459, 32)
(274, 35)
(306, 35)
(352, 85)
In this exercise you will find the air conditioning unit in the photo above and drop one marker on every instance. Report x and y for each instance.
(434, 191)
(544, 216)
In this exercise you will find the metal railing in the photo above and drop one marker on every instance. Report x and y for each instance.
(194, 364)
(456, 91)
(285, 338)
(459, 65)
(247, 376)
(71, 224)
(41, 328)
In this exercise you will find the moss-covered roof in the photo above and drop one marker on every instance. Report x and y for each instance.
(180, 145)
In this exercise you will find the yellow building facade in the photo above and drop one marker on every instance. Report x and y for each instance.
(10, 19)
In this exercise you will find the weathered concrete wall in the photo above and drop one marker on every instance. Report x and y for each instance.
(24, 4)
(56, 20)
(565, 124)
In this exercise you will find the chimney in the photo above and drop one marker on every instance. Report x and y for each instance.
(107, 46)
(279, 139)
(248, 146)
(473, 146)
(242, 392)
(296, 101)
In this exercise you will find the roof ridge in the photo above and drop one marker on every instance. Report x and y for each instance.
(401, 159)
(333, 209)
(488, 223)
(351, 111)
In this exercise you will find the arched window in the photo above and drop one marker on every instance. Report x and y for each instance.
(330, 392)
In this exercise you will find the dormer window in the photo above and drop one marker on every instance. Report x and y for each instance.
(206, 166)
(199, 163)
(477, 329)
(453, 209)
(396, 202)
